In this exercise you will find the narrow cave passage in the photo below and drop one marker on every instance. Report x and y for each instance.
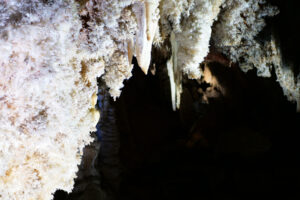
(234, 139)
(243, 141)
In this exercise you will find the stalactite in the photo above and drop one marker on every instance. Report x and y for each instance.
(53, 51)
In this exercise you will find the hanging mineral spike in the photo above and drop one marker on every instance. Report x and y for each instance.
(147, 21)
(52, 52)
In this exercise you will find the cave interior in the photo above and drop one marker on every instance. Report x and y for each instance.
(234, 136)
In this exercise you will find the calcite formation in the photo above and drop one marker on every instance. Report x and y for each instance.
(192, 22)
(46, 92)
(236, 35)
(53, 51)
(190, 33)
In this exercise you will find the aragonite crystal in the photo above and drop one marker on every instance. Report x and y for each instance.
(53, 51)
(46, 90)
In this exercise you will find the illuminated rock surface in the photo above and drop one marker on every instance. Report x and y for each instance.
(46, 105)
(53, 51)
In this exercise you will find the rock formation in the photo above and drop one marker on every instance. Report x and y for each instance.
(52, 52)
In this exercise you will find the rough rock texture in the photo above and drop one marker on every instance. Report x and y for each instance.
(53, 51)
(236, 34)
(46, 89)
(191, 22)
(110, 25)
(236, 30)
